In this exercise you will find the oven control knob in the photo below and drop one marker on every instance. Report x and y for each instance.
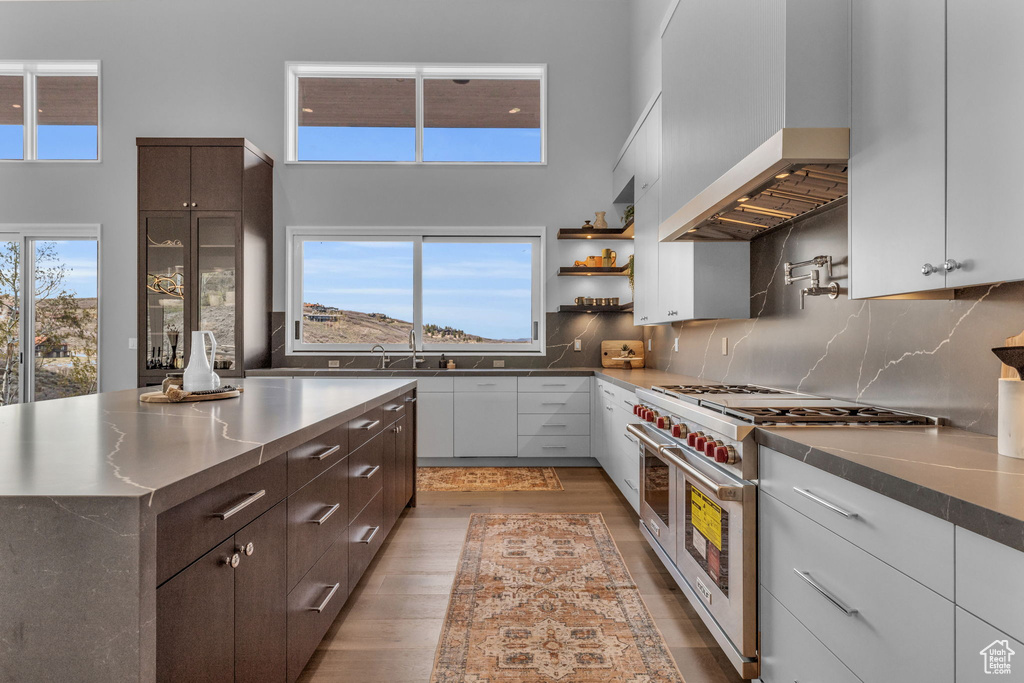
(679, 430)
(651, 415)
(700, 443)
(726, 454)
(636, 408)
(710, 446)
(691, 438)
(664, 422)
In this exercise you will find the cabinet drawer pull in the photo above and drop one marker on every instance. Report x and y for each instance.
(827, 595)
(628, 403)
(369, 473)
(232, 561)
(329, 452)
(632, 439)
(327, 515)
(553, 384)
(411, 399)
(824, 503)
(373, 532)
(608, 408)
(610, 393)
(370, 426)
(323, 605)
(394, 409)
(556, 424)
(238, 507)
(631, 485)
(487, 384)
(554, 403)
(557, 448)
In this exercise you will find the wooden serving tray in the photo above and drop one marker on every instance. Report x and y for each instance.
(161, 397)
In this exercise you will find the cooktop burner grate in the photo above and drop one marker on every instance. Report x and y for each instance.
(715, 389)
(827, 415)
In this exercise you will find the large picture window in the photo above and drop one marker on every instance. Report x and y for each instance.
(445, 290)
(348, 113)
(49, 111)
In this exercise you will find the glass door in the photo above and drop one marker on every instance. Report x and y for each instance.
(49, 314)
(167, 308)
(217, 267)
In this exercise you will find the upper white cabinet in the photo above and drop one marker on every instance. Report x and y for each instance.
(934, 144)
(897, 171)
(985, 139)
(645, 255)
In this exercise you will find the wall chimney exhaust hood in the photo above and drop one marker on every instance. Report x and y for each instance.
(795, 173)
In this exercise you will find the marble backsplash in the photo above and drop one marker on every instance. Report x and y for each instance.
(931, 357)
(562, 330)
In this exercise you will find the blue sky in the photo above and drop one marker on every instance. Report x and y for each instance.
(80, 258)
(55, 142)
(483, 289)
(324, 143)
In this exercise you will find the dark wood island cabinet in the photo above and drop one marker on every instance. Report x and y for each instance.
(253, 572)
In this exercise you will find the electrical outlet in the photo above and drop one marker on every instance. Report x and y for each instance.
(499, 363)
(725, 346)
(675, 344)
(133, 343)
(334, 363)
(577, 345)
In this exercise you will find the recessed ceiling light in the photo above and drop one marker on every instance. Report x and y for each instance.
(16, 106)
(782, 175)
(514, 110)
(307, 110)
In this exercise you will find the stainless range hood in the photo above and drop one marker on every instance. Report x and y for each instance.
(796, 172)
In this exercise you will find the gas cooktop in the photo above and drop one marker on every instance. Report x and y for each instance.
(827, 413)
(714, 389)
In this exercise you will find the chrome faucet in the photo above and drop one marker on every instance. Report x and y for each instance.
(832, 290)
(413, 360)
(383, 357)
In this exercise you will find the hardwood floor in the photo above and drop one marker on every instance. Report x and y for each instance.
(389, 629)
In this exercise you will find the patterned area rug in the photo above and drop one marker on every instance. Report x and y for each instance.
(487, 479)
(546, 597)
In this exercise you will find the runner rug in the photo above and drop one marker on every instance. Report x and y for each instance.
(546, 597)
(487, 479)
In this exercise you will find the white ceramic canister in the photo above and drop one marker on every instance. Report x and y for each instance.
(1011, 418)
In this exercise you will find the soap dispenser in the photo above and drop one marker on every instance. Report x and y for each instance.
(442, 364)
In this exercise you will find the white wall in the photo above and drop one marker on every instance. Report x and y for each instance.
(202, 68)
(644, 53)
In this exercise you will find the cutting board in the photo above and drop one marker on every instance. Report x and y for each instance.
(161, 397)
(1008, 372)
(612, 348)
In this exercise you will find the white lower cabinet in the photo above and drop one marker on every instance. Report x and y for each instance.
(879, 622)
(990, 583)
(984, 652)
(789, 652)
(486, 424)
(554, 446)
(435, 425)
(617, 452)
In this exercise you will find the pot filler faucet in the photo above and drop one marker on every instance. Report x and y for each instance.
(832, 290)
(383, 356)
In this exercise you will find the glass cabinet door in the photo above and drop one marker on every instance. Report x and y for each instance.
(217, 259)
(167, 307)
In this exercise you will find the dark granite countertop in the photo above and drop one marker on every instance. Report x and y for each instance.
(111, 445)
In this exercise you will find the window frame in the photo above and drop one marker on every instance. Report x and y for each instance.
(27, 234)
(30, 70)
(296, 235)
(296, 70)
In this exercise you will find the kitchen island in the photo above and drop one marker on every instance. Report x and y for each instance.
(85, 483)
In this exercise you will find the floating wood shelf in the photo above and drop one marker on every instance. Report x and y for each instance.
(624, 233)
(580, 270)
(572, 308)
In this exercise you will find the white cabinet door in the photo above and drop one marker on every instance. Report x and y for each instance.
(624, 171)
(652, 143)
(435, 423)
(642, 181)
(985, 139)
(486, 424)
(983, 652)
(897, 206)
(645, 250)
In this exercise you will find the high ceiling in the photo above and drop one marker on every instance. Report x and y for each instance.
(391, 102)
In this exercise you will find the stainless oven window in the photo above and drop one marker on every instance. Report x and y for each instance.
(706, 533)
(656, 486)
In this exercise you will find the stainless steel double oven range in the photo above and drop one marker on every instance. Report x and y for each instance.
(698, 494)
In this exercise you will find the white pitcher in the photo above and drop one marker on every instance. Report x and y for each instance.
(199, 375)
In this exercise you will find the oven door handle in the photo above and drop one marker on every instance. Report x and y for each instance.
(638, 432)
(721, 491)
